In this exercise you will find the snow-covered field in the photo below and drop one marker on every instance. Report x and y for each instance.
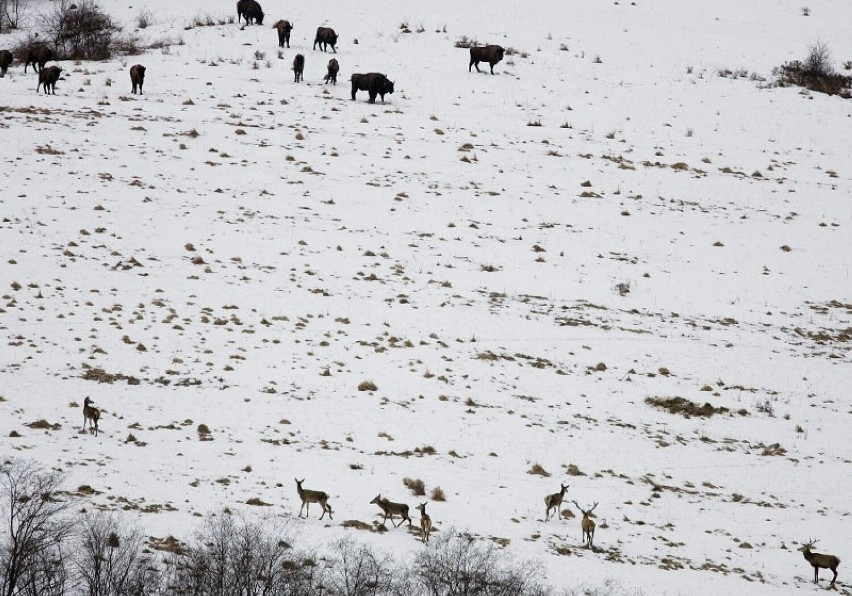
(515, 261)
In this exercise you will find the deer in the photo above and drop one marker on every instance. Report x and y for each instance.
(92, 415)
(554, 501)
(818, 561)
(588, 524)
(390, 509)
(312, 496)
(425, 523)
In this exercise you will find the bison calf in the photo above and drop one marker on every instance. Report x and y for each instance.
(299, 68)
(249, 10)
(373, 83)
(333, 69)
(284, 28)
(38, 55)
(6, 59)
(47, 78)
(325, 37)
(137, 77)
(490, 54)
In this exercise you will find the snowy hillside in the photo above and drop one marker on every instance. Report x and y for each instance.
(517, 262)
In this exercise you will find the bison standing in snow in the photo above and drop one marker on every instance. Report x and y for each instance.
(333, 69)
(325, 37)
(137, 77)
(284, 28)
(38, 55)
(299, 68)
(373, 83)
(47, 78)
(250, 10)
(6, 59)
(490, 54)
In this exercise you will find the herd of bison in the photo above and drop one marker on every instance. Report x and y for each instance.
(373, 83)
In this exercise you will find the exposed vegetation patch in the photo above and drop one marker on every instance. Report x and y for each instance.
(685, 407)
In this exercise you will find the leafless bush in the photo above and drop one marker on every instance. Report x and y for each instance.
(14, 13)
(458, 564)
(109, 558)
(415, 486)
(33, 555)
(815, 73)
(356, 570)
(80, 31)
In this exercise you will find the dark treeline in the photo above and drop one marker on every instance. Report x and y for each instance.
(51, 546)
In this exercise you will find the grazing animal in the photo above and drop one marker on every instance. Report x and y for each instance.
(137, 77)
(373, 83)
(47, 78)
(425, 523)
(312, 496)
(333, 69)
(6, 59)
(38, 55)
(284, 28)
(90, 414)
(490, 54)
(587, 525)
(326, 37)
(818, 561)
(249, 10)
(554, 501)
(390, 509)
(299, 68)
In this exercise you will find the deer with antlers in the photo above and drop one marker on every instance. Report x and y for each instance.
(312, 496)
(819, 561)
(425, 523)
(588, 524)
(90, 415)
(554, 501)
(390, 509)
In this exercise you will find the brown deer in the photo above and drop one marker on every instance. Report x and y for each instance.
(425, 523)
(588, 524)
(390, 509)
(92, 415)
(312, 496)
(818, 561)
(554, 501)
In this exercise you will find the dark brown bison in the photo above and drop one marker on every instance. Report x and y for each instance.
(284, 28)
(326, 37)
(490, 54)
(250, 10)
(38, 55)
(137, 77)
(373, 83)
(47, 78)
(333, 69)
(299, 68)
(6, 59)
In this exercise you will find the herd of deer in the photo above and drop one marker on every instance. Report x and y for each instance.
(552, 502)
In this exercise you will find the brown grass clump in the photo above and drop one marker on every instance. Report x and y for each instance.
(367, 386)
(437, 494)
(415, 486)
(684, 407)
(538, 470)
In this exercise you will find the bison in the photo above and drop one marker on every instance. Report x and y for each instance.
(47, 78)
(250, 10)
(6, 59)
(326, 37)
(137, 77)
(299, 68)
(284, 28)
(373, 83)
(490, 54)
(333, 69)
(38, 55)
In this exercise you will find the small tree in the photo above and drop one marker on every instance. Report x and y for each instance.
(14, 13)
(32, 554)
(356, 570)
(80, 31)
(818, 62)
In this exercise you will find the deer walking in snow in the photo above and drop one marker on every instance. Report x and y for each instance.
(390, 509)
(587, 524)
(312, 496)
(554, 501)
(90, 415)
(425, 523)
(818, 561)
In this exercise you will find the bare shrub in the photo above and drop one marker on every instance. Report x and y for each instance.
(110, 561)
(80, 31)
(818, 62)
(457, 564)
(815, 73)
(33, 556)
(356, 570)
(415, 486)
(14, 14)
